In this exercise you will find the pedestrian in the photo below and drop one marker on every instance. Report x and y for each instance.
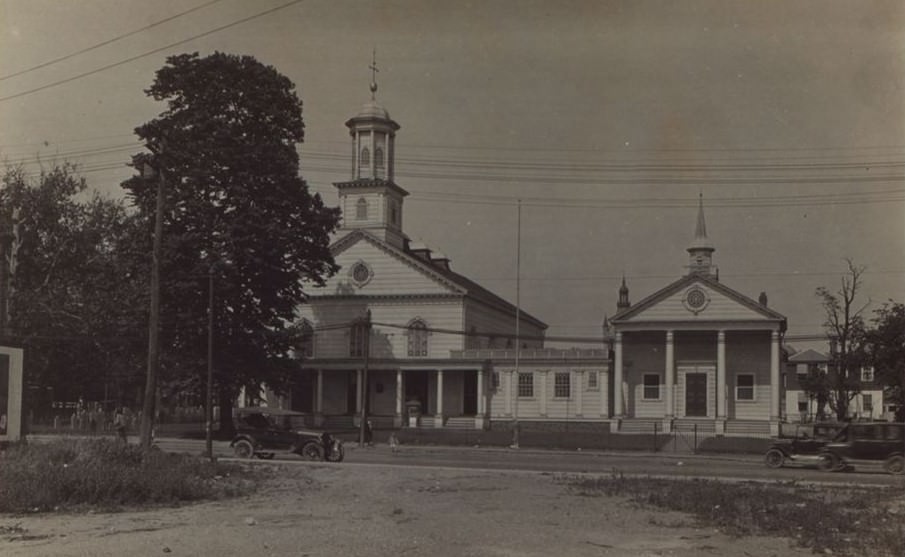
(394, 442)
(369, 433)
(119, 422)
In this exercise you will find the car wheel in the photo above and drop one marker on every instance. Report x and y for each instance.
(313, 451)
(243, 448)
(895, 465)
(829, 462)
(774, 458)
(336, 455)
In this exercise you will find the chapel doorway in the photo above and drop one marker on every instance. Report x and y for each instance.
(696, 395)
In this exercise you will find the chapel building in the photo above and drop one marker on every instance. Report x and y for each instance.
(697, 353)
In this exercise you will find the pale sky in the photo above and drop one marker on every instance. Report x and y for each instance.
(606, 118)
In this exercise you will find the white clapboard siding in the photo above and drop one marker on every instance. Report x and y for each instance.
(486, 319)
(386, 341)
(748, 354)
(390, 274)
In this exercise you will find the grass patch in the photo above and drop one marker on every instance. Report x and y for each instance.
(106, 474)
(839, 520)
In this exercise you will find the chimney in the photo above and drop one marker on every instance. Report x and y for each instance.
(762, 299)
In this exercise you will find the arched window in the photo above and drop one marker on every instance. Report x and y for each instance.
(361, 209)
(378, 157)
(417, 339)
(365, 157)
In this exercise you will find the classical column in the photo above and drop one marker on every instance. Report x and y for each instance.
(439, 417)
(508, 392)
(543, 391)
(670, 375)
(774, 377)
(481, 402)
(618, 411)
(579, 380)
(721, 375)
(399, 393)
(319, 393)
(358, 391)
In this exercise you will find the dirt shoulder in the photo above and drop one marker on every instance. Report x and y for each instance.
(358, 511)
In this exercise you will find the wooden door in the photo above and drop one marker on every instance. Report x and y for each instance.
(696, 395)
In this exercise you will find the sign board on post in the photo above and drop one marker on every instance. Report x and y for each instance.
(10, 394)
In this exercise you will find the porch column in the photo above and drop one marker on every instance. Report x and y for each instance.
(319, 393)
(508, 392)
(670, 375)
(358, 391)
(399, 396)
(438, 419)
(721, 375)
(543, 392)
(774, 378)
(579, 381)
(618, 411)
(481, 402)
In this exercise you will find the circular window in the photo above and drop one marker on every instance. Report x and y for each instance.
(696, 300)
(361, 273)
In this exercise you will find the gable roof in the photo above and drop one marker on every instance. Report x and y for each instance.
(809, 355)
(445, 276)
(686, 281)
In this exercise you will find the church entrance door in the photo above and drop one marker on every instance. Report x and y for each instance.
(696, 394)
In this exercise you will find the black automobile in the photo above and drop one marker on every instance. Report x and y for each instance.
(263, 432)
(861, 442)
(804, 446)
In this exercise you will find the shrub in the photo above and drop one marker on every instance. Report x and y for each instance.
(107, 474)
(845, 520)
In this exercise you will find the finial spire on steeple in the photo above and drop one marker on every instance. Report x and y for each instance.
(623, 302)
(701, 250)
(374, 70)
(700, 230)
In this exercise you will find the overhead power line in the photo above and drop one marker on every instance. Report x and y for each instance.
(150, 52)
(108, 41)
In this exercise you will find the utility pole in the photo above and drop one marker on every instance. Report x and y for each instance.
(209, 404)
(364, 379)
(147, 410)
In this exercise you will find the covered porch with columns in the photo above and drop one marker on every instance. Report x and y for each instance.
(725, 375)
(448, 395)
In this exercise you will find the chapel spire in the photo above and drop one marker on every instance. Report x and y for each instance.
(701, 249)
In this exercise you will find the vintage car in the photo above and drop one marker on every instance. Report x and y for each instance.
(263, 432)
(804, 447)
(862, 442)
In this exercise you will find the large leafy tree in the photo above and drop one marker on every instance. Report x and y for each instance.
(235, 208)
(73, 288)
(844, 324)
(886, 349)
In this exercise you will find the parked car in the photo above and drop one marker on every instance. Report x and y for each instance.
(804, 446)
(262, 432)
(866, 441)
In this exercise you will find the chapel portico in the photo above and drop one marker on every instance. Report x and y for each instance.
(698, 351)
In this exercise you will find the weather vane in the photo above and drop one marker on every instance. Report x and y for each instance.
(374, 70)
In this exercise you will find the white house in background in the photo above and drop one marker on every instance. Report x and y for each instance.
(800, 407)
(697, 352)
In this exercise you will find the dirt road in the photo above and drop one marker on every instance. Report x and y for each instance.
(356, 511)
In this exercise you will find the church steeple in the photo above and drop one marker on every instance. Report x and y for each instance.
(701, 249)
(623, 302)
(371, 200)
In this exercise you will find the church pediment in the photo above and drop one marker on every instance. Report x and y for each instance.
(696, 298)
(371, 267)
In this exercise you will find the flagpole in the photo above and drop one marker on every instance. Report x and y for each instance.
(518, 319)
